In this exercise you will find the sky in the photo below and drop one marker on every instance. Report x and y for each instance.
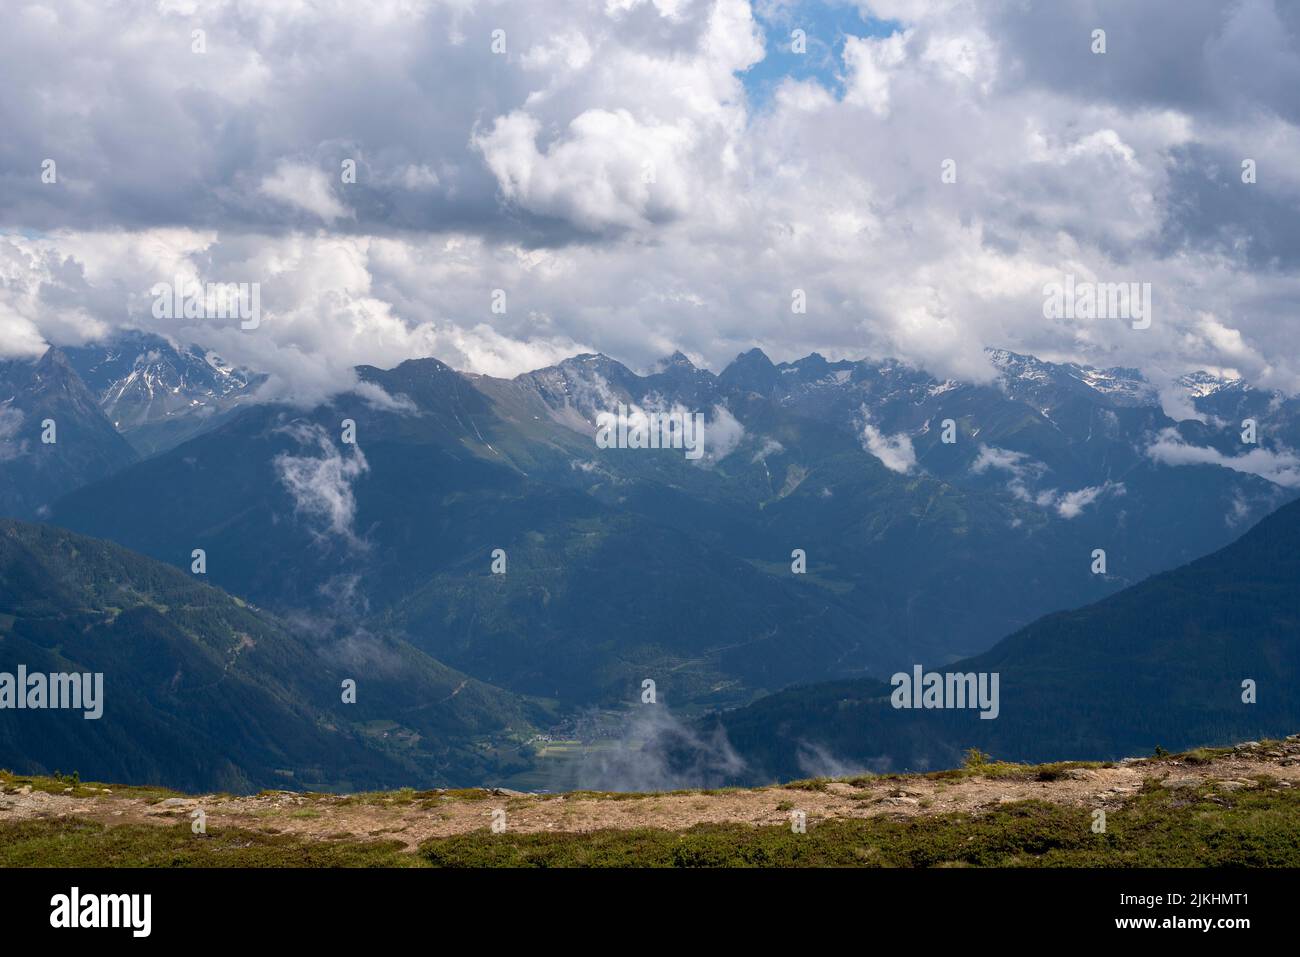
(635, 177)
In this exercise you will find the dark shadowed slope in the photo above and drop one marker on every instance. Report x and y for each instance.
(1161, 663)
(53, 436)
(203, 691)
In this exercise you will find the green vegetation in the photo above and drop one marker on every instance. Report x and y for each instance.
(73, 842)
(1106, 680)
(987, 768)
(193, 671)
(81, 789)
(1205, 755)
(1206, 826)
(1259, 827)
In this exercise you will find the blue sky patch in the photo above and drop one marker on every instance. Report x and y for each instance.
(826, 23)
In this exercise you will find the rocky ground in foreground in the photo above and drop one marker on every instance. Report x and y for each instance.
(1236, 805)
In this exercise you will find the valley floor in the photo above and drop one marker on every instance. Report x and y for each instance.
(1226, 806)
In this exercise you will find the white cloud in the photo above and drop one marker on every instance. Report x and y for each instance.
(306, 188)
(1238, 510)
(528, 172)
(1072, 504)
(375, 397)
(1007, 460)
(321, 486)
(610, 170)
(570, 49)
(1025, 469)
(894, 451)
(770, 447)
(871, 62)
(722, 434)
(1281, 467)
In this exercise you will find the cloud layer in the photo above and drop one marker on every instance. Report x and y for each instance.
(607, 168)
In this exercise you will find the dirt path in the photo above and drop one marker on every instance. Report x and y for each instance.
(411, 817)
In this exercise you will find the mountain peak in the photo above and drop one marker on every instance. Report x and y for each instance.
(424, 363)
(678, 360)
(588, 363)
(813, 364)
(752, 371)
(586, 360)
(1201, 384)
(1005, 357)
(754, 357)
(54, 359)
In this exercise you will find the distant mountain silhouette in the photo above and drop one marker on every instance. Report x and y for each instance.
(204, 691)
(85, 446)
(627, 564)
(1159, 664)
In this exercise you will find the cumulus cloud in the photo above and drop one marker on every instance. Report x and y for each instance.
(1281, 466)
(871, 62)
(770, 447)
(658, 751)
(1007, 460)
(894, 451)
(722, 434)
(321, 485)
(1072, 504)
(375, 397)
(1024, 470)
(611, 171)
(304, 187)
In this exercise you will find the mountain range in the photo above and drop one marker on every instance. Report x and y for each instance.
(830, 532)
(1205, 653)
(53, 435)
(624, 564)
(158, 394)
(201, 688)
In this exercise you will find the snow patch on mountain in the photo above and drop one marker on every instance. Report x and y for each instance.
(1203, 384)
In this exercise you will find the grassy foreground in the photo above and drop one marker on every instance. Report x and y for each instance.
(1158, 829)
(1233, 823)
